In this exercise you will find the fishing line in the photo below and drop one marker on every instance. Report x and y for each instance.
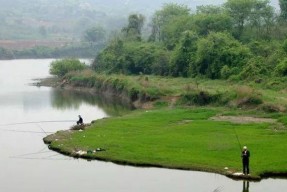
(50, 159)
(218, 189)
(28, 154)
(42, 150)
(42, 129)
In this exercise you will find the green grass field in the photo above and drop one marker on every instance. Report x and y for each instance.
(184, 138)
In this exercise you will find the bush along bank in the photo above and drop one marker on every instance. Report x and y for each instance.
(155, 91)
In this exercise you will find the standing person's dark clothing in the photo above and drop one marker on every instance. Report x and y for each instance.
(80, 121)
(245, 160)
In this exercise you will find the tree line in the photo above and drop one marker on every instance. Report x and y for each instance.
(241, 39)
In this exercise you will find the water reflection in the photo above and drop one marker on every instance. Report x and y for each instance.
(70, 99)
(245, 186)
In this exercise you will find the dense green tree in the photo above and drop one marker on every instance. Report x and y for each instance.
(262, 18)
(163, 17)
(240, 11)
(281, 68)
(209, 9)
(175, 28)
(133, 30)
(64, 66)
(109, 59)
(95, 35)
(263, 48)
(206, 23)
(234, 41)
(161, 64)
(184, 55)
(254, 69)
(132, 57)
(218, 50)
(258, 14)
(283, 9)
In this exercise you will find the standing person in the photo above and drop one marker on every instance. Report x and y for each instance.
(245, 160)
(80, 121)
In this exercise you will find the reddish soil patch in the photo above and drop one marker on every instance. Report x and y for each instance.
(26, 44)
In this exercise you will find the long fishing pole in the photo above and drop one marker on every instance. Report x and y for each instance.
(34, 122)
(238, 141)
(17, 131)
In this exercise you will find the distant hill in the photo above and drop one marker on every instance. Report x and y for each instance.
(67, 19)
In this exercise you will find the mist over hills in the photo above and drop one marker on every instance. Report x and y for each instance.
(52, 19)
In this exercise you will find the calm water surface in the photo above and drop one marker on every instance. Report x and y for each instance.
(27, 165)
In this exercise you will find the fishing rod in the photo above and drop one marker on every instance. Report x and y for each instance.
(34, 122)
(17, 131)
(238, 141)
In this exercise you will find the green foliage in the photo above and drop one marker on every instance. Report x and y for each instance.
(281, 68)
(283, 9)
(257, 13)
(206, 23)
(284, 46)
(235, 41)
(132, 58)
(175, 29)
(254, 69)
(184, 55)
(225, 72)
(164, 17)
(209, 9)
(239, 10)
(134, 29)
(64, 66)
(218, 50)
(95, 35)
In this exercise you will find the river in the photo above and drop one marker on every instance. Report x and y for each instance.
(27, 165)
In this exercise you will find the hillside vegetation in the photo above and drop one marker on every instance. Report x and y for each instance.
(240, 40)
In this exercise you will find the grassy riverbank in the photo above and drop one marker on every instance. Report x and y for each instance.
(268, 95)
(185, 124)
(183, 139)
